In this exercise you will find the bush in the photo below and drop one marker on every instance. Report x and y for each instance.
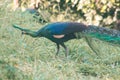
(97, 12)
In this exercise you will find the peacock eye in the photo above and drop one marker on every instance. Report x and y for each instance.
(23, 32)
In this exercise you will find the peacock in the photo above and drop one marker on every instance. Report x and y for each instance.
(60, 32)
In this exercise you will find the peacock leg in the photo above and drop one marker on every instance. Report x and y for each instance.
(91, 46)
(58, 49)
(66, 49)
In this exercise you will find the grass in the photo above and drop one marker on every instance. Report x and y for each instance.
(27, 58)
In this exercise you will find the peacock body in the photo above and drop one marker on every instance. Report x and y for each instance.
(61, 32)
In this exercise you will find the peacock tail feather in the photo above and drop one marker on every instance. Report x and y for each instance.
(104, 34)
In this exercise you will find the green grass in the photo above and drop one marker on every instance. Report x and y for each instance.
(27, 58)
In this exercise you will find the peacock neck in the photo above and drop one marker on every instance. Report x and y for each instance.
(31, 33)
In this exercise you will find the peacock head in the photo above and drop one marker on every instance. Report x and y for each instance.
(29, 32)
(24, 32)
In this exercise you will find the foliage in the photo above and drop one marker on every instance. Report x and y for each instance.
(96, 12)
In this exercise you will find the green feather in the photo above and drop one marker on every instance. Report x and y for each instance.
(105, 37)
(104, 34)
